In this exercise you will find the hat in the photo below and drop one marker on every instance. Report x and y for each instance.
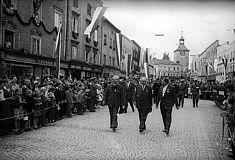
(35, 82)
(115, 77)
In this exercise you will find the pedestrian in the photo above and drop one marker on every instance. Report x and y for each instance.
(114, 98)
(183, 88)
(143, 100)
(129, 93)
(167, 99)
(92, 94)
(195, 94)
(69, 99)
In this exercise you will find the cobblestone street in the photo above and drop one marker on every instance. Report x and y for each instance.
(195, 134)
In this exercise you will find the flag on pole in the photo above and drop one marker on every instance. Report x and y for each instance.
(118, 49)
(146, 63)
(58, 50)
(98, 14)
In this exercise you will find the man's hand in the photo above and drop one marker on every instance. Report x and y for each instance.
(177, 107)
(134, 103)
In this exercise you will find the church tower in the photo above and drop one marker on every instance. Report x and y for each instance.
(181, 55)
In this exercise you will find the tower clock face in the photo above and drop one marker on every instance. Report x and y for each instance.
(182, 53)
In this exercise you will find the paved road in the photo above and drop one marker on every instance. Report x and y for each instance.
(195, 134)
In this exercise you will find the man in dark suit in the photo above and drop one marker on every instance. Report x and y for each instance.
(167, 98)
(143, 100)
(129, 93)
(183, 89)
(156, 86)
(114, 98)
(195, 94)
(92, 94)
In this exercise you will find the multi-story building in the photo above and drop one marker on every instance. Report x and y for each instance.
(28, 34)
(83, 52)
(181, 55)
(167, 68)
(136, 49)
(207, 59)
(126, 54)
(109, 49)
(195, 67)
(226, 57)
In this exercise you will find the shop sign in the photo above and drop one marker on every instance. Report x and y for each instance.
(30, 60)
(97, 70)
(87, 68)
(64, 65)
(76, 67)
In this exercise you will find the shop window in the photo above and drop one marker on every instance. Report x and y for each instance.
(9, 39)
(36, 45)
(75, 3)
(58, 18)
(88, 9)
(74, 52)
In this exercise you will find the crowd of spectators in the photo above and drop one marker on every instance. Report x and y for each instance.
(29, 104)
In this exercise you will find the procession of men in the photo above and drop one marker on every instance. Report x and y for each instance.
(143, 94)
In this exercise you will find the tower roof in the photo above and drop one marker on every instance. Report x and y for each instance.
(181, 46)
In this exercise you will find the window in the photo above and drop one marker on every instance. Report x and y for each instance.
(110, 62)
(74, 52)
(104, 59)
(94, 58)
(36, 45)
(75, 3)
(86, 55)
(58, 18)
(174, 68)
(177, 62)
(110, 43)
(113, 61)
(88, 9)
(9, 39)
(105, 39)
(75, 24)
(114, 45)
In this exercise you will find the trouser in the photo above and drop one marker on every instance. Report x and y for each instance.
(79, 108)
(92, 104)
(51, 111)
(113, 110)
(129, 100)
(62, 109)
(166, 117)
(195, 100)
(181, 100)
(143, 113)
(69, 106)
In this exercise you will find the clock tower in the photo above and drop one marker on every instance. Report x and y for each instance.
(181, 55)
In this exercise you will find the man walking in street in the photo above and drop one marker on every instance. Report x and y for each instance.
(183, 88)
(195, 94)
(114, 98)
(143, 100)
(129, 93)
(167, 98)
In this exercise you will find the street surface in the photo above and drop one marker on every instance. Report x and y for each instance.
(195, 134)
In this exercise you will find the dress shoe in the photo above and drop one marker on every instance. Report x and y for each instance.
(114, 129)
(141, 130)
(167, 133)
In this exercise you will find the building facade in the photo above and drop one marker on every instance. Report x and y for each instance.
(181, 56)
(225, 51)
(207, 61)
(27, 43)
(109, 55)
(167, 68)
(136, 50)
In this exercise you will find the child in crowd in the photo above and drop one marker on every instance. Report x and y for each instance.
(51, 104)
(99, 96)
(18, 110)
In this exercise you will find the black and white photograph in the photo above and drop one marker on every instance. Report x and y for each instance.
(117, 79)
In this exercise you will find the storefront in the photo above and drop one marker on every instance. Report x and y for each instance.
(27, 65)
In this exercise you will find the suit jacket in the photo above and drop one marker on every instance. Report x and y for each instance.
(143, 98)
(129, 92)
(92, 92)
(183, 89)
(169, 99)
(114, 95)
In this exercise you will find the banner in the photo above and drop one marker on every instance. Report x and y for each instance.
(98, 14)
(58, 50)
(118, 49)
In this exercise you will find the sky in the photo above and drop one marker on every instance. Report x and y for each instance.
(202, 22)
